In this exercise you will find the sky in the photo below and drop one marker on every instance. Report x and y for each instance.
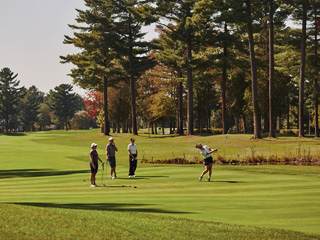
(31, 40)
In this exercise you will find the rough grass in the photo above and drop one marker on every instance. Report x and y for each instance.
(45, 193)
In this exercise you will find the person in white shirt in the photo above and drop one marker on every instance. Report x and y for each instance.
(205, 151)
(133, 158)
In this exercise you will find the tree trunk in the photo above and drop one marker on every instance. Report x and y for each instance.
(152, 129)
(105, 98)
(288, 112)
(245, 128)
(302, 69)
(180, 130)
(118, 127)
(256, 117)
(272, 132)
(223, 85)
(316, 88)
(162, 127)
(133, 106)
(155, 128)
(190, 92)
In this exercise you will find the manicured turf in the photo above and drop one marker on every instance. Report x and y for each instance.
(44, 191)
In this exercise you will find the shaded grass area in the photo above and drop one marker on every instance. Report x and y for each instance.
(119, 207)
(27, 222)
(29, 173)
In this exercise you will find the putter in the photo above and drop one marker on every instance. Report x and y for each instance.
(102, 172)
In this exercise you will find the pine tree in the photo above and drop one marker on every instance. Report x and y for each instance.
(192, 23)
(63, 103)
(171, 54)
(256, 114)
(10, 95)
(133, 51)
(29, 108)
(97, 39)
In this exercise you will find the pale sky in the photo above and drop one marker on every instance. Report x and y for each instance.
(31, 40)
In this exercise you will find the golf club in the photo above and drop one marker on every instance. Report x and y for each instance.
(223, 141)
(102, 172)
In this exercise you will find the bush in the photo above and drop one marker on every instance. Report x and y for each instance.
(80, 120)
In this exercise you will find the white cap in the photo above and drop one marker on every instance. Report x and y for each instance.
(111, 138)
(94, 144)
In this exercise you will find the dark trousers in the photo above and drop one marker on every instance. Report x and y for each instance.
(133, 164)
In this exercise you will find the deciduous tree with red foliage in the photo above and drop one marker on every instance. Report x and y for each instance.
(94, 103)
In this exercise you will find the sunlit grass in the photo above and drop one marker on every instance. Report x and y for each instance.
(44, 180)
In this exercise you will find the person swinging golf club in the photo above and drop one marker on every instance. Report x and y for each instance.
(94, 157)
(205, 151)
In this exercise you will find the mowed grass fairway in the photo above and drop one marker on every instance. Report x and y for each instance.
(45, 193)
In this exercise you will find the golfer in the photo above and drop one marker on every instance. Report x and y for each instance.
(94, 157)
(111, 150)
(133, 158)
(205, 151)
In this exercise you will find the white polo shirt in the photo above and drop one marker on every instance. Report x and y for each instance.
(133, 148)
(204, 152)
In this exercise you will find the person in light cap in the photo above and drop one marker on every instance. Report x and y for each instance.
(94, 157)
(133, 158)
(111, 150)
(205, 151)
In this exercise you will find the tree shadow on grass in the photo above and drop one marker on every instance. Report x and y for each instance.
(14, 134)
(119, 207)
(28, 173)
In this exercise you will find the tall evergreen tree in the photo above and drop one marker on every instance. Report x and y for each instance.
(29, 108)
(192, 21)
(97, 39)
(171, 54)
(130, 16)
(302, 67)
(256, 114)
(63, 103)
(10, 95)
(272, 132)
(313, 69)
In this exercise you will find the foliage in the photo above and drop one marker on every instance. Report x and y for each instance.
(80, 120)
(93, 102)
(10, 95)
(29, 108)
(44, 118)
(63, 104)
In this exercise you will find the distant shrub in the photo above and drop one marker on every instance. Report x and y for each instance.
(80, 120)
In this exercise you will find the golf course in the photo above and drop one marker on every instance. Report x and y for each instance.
(45, 189)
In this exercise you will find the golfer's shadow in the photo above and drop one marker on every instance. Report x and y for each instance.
(143, 177)
(228, 181)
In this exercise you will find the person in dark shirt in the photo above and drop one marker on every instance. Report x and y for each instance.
(111, 150)
(94, 157)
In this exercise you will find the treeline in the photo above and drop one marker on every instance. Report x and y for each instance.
(229, 64)
(28, 109)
